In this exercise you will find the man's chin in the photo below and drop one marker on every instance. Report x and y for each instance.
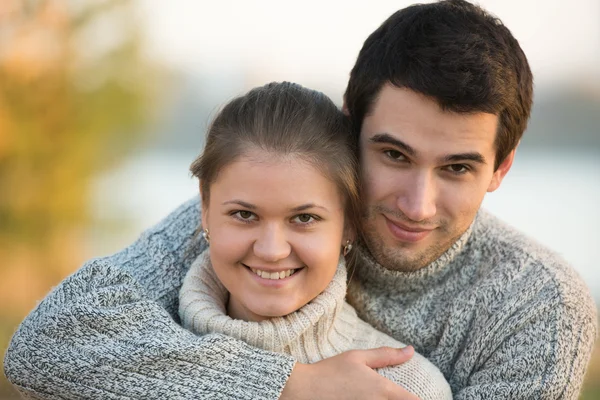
(401, 262)
(402, 257)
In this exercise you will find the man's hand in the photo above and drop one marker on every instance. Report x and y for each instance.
(349, 375)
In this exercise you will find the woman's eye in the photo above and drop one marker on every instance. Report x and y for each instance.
(303, 218)
(244, 215)
(395, 155)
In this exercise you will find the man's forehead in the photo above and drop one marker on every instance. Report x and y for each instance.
(413, 118)
(397, 102)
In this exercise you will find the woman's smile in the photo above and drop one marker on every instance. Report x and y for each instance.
(272, 274)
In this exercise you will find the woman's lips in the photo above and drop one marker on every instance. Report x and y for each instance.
(281, 274)
(405, 233)
(270, 280)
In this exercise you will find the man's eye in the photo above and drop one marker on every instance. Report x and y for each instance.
(458, 168)
(395, 155)
(303, 218)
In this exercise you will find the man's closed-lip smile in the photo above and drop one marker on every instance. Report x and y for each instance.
(406, 233)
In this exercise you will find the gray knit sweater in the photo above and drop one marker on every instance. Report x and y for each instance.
(323, 328)
(500, 316)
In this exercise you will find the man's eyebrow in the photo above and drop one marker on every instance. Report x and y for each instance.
(241, 203)
(386, 138)
(389, 139)
(307, 206)
(476, 157)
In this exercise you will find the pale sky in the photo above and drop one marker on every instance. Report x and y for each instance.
(317, 41)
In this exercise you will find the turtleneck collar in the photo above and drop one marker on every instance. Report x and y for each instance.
(318, 330)
(368, 270)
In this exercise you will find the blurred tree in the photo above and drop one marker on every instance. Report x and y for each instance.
(75, 91)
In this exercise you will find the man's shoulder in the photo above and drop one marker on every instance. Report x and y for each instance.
(168, 234)
(490, 231)
(184, 216)
(523, 264)
(512, 248)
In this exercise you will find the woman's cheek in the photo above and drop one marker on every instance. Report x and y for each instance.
(229, 245)
(321, 253)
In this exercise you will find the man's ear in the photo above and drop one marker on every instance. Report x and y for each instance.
(501, 172)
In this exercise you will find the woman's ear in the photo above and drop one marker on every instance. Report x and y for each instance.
(204, 218)
(204, 204)
(345, 108)
(349, 234)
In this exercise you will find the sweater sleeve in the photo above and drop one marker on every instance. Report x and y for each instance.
(539, 352)
(109, 331)
(418, 375)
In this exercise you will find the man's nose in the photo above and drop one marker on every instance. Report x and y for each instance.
(418, 198)
(272, 244)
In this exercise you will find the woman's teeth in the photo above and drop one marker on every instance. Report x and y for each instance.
(273, 275)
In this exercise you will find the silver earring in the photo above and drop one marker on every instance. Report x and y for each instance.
(206, 235)
(347, 247)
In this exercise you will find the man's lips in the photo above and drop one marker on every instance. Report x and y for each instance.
(407, 233)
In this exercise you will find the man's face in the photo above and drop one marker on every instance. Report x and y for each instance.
(425, 173)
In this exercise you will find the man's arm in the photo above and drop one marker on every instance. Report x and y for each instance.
(539, 351)
(349, 375)
(108, 331)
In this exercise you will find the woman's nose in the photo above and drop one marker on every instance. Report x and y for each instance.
(272, 244)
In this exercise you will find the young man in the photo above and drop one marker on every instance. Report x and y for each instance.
(440, 96)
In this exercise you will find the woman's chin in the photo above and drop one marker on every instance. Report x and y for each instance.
(262, 312)
(272, 312)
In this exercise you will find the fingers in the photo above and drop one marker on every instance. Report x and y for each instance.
(386, 356)
(350, 372)
(399, 393)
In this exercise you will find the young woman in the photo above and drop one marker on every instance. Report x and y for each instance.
(280, 211)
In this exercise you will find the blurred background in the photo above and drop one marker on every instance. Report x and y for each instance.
(104, 104)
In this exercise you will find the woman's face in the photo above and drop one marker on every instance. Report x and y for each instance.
(276, 229)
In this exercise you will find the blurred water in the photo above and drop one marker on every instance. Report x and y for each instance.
(553, 196)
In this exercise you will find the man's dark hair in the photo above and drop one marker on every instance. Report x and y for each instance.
(457, 54)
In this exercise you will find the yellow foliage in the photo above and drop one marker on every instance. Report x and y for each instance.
(69, 107)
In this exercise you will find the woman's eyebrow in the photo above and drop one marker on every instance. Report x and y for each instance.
(241, 203)
(307, 206)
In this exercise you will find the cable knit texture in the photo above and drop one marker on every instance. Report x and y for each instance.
(323, 328)
(109, 331)
(499, 315)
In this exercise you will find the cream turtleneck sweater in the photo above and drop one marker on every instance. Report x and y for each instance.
(324, 327)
